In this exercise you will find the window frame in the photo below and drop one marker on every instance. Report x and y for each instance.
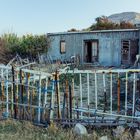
(62, 47)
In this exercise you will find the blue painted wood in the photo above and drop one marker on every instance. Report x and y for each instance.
(109, 45)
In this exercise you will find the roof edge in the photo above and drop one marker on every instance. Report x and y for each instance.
(96, 31)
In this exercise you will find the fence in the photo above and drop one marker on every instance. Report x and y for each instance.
(108, 97)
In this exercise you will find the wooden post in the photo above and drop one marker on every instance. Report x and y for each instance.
(17, 90)
(51, 115)
(81, 93)
(14, 93)
(88, 94)
(12, 106)
(73, 99)
(111, 85)
(105, 98)
(2, 88)
(45, 96)
(32, 97)
(77, 107)
(57, 94)
(70, 101)
(39, 100)
(96, 91)
(27, 92)
(21, 95)
(134, 94)
(126, 91)
(67, 100)
(118, 92)
(7, 95)
(64, 104)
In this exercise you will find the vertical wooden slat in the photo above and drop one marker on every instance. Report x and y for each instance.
(67, 98)
(96, 99)
(118, 92)
(12, 105)
(21, 94)
(110, 93)
(45, 95)
(70, 101)
(17, 86)
(64, 102)
(33, 96)
(134, 93)
(2, 87)
(73, 96)
(126, 92)
(57, 94)
(52, 100)
(7, 96)
(39, 100)
(104, 87)
(81, 94)
(14, 93)
(88, 96)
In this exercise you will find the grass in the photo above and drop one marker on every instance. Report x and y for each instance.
(23, 130)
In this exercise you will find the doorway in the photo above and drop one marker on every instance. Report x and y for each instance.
(91, 51)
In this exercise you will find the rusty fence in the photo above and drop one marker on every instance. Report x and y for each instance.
(95, 97)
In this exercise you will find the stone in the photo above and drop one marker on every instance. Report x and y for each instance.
(137, 135)
(103, 138)
(94, 135)
(80, 129)
(126, 136)
(118, 131)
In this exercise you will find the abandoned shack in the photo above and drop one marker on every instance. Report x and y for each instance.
(105, 47)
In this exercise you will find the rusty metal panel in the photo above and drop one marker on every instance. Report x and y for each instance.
(109, 45)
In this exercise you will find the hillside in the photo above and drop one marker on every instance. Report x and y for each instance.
(131, 17)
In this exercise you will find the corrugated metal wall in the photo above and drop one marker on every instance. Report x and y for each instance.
(109, 45)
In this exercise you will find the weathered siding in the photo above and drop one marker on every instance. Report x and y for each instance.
(109, 45)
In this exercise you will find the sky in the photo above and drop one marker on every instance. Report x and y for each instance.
(47, 16)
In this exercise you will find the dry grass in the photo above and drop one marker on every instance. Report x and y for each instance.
(15, 130)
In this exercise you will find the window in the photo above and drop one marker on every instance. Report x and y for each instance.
(129, 51)
(125, 50)
(62, 47)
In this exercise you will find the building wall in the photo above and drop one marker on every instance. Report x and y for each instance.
(109, 45)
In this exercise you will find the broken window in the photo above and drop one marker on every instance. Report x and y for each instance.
(62, 47)
(129, 51)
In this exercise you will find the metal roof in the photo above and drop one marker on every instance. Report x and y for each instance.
(96, 31)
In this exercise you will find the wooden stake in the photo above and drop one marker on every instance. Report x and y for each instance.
(118, 92)
(57, 94)
(67, 100)
(21, 95)
(14, 92)
(52, 102)
(70, 101)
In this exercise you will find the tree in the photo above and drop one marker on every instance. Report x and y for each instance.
(73, 30)
(4, 53)
(103, 23)
(11, 42)
(126, 25)
(27, 45)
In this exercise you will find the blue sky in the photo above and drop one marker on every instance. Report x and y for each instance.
(43, 16)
